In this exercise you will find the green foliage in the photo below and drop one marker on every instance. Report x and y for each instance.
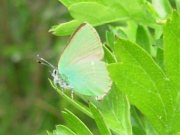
(62, 130)
(103, 128)
(116, 111)
(120, 112)
(172, 66)
(171, 49)
(145, 85)
(76, 124)
(141, 41)
(162, 7)
(142, 48)
(138, 11)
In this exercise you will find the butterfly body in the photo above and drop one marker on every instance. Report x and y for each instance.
(58, 80)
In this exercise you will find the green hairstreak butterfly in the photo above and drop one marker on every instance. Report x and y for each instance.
(80, 67)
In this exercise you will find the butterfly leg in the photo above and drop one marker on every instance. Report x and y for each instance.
(72, 94)
(62, 89)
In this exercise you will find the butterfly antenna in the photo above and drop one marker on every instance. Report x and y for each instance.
(44, 62)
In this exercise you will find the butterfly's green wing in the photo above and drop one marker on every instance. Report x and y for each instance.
(81, 63)
(84, 45)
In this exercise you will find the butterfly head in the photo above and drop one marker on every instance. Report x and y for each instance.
(57, 79)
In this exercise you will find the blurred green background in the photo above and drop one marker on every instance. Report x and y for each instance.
(28, 104)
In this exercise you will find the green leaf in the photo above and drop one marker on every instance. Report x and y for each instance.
(143, 38)
(178, 5)
(104, 14)
(130, 31)
(172, 63)
(139, 11)
(118, 32)
(160, 57)
(69, 3)
(172, 48)
(110, 38)
(49, 133)
(162, 7)
(64, 29)
(137, 122)
(108, 55)
(141, 126)
(63, 130)
(148, 128)
(121, 10)
(145, 84)
(115, 110)
(76, 124)
(103, 128)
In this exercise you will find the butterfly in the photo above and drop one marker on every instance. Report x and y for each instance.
(80, 67)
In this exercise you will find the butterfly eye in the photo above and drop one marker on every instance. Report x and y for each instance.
(55, 72)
